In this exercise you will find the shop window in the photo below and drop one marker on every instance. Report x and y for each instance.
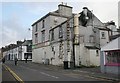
(112, 58)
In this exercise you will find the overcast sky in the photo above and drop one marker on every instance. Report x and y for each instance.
(17, 17)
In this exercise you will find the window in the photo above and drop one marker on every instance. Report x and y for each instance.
(112, 58)
(36, 27)
(43, 23)
(36, 38)
(103, 34)
(60, 32)
(55, 21)
(28, 55)
(91, 40)
(97, 53)
(43, 36)
(52, 35)
(81, 39)
(29, 48)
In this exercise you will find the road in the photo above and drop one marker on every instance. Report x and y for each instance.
(39, 72)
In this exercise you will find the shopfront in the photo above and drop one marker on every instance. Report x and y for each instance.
(110, 57)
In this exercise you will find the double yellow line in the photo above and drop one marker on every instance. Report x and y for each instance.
(14, 74)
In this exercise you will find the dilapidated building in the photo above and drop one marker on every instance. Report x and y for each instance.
(64, 38)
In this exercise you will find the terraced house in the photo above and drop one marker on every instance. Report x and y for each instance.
(67, 39)
(21, 50)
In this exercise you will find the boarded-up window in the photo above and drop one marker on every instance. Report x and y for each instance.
(81, 39)
(91, 39)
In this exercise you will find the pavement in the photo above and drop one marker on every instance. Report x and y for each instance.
(87, 73)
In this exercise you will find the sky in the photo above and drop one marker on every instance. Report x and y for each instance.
(119, 14)
(17, 17)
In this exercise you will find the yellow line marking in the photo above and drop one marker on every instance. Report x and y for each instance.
(14, 74)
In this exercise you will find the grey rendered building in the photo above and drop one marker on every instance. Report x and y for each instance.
(64, 38)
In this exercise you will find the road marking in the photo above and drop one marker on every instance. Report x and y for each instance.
(49, 75)
(14, 74)
(43, 73)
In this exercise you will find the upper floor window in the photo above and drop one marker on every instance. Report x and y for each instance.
(36, 38)
(36, 28)
(43, 23)
(52, 35)
(91, 39)
(60, 32)
(102, 34)
(81, 39)
(43, 36)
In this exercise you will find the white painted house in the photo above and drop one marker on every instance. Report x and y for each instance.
(20, 51)
(64, 38)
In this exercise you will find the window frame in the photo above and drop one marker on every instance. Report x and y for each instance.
(43, 23)
(36, 38)
(36, 27)
(60, 32)
(43, 36)
(103, 37)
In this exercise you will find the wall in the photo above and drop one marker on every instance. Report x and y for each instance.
(0, 54)
(41, 54)
(83, 56)
(94, 58)
(105, 40)
(24, 50)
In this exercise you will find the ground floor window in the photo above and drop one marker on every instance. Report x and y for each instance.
(28, 55)
(112, 58)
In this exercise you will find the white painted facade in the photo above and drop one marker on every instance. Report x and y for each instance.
(19, 51)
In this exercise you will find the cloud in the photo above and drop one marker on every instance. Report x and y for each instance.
(20, 16)
(105, 11)
(13, 30)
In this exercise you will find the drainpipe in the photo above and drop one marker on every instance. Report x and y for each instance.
(76, 29)
(75, 37)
